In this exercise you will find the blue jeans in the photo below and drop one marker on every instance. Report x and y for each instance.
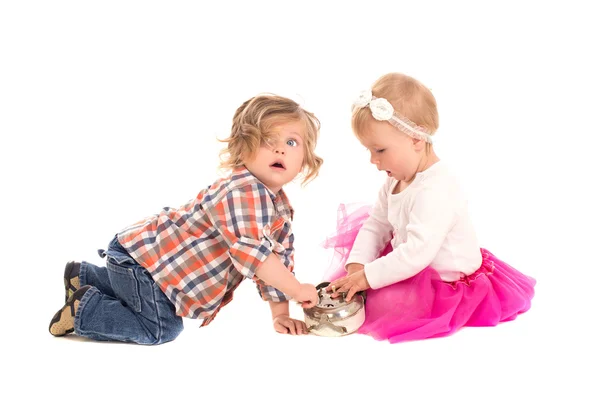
(124, 304)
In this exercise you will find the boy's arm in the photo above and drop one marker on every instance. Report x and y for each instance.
(274, 273)
(279, 308)
(242, 218)
(285, 253)
(282, 322)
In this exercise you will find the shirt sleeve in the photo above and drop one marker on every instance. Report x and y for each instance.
(243, 217)
(375, 233)
(285, 252)
(430, 219)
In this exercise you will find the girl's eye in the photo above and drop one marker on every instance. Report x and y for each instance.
(292, 142)
(379, 151)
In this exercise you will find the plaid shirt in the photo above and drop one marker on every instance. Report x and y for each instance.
(199, 253)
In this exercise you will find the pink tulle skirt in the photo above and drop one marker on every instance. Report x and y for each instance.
(424, 306)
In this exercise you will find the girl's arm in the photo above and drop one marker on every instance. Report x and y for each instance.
(431, 218)
(376, 232)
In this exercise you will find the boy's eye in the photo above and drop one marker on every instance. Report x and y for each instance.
(292, 142)
(379, 151)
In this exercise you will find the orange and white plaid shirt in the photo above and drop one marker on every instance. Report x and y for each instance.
(200, 252)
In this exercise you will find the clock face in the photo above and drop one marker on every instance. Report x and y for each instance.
(325, 300)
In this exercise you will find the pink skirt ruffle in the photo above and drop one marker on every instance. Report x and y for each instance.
(424, 306)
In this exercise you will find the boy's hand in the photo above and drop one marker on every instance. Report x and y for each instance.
(306, 295)
(285, 324)
(354, 267)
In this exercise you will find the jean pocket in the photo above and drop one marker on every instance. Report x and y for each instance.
(120, 258)
(125, 284)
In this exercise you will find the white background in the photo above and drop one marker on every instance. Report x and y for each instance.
(110, 111)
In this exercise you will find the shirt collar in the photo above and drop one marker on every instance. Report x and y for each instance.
(241, 176)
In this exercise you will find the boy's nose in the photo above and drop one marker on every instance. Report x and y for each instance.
(279, 150)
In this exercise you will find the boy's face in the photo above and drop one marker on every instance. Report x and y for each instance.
(280, 161)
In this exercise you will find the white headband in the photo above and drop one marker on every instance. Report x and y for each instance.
(382, 110)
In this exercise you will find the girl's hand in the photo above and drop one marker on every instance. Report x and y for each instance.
(354, 267)
(350, 284)
(286, 325)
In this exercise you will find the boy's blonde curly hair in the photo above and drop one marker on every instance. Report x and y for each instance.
(253, 124)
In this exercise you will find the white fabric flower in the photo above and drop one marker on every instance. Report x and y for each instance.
(363, 99)
(381, 109)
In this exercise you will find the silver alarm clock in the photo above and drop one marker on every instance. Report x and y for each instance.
(335, 316)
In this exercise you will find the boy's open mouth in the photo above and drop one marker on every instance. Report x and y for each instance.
(278, 165)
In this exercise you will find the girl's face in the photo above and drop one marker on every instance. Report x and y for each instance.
(392, 151)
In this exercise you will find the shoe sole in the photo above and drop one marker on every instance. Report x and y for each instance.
(63, 321)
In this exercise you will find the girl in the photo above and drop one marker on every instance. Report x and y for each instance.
(188, 261)
(416, 251)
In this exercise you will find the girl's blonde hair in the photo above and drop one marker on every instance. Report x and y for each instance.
(409, 97)
(253, 124)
